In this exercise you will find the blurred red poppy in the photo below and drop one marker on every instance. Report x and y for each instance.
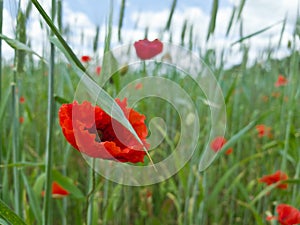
(98, 70)
(21, 119)
(22, 99)
(146, 49)
(138, 86)
(263, 130)
(287, 215)
(274, 178)
(281, 81)
(57, 191)
(218, 143)
(93, 132)
(86, 58)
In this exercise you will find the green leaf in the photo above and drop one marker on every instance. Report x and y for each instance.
(15, 44)
(67, 184)
(60, 100)
(9, 215)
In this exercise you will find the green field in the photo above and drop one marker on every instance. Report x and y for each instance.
(261, 99)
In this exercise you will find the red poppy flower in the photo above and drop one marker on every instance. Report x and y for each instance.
(86, 58)
(98, 70)
(93, 132)
(21, 119)
(138, 86)
(22, 99)
(263, 130)
(57, 191)
(218, 143)
(146, 49)
(287, 215)
(274, 178)
(281, 81)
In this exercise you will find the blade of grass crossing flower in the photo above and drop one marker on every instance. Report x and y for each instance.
(255, 33)
(121, 18)
(49, 135)
(9, 215)
(213, 18)
(104, 100)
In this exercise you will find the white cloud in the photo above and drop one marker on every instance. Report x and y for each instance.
(256, 15)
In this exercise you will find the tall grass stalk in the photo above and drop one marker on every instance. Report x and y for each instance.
(121, 18)
(49, 137)
(1, 22)
(16, 154)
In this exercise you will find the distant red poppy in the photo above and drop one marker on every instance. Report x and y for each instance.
(146, 49)
(138, 86)
(274, 178)
(281, 81)
(263, 130)
(22, 99)
(86, 58)
(287, 215)
(91, 131)
(98, 70)
(218, 143)
(57, 191)
(21, 119)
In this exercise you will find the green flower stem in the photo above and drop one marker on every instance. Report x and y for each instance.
(50, 120)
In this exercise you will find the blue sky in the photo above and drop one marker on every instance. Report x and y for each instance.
(82, 16)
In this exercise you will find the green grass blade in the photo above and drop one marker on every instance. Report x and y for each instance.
(33, 201)
(230, 21)
(255, 33)
(9, 215)
(241, 7)
(49, 135)
(282, 31)
(183, 31)
(213, 19)
(96, 39)
(121, 18)
(168, 25)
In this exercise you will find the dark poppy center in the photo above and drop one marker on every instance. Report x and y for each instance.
(99, 137)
